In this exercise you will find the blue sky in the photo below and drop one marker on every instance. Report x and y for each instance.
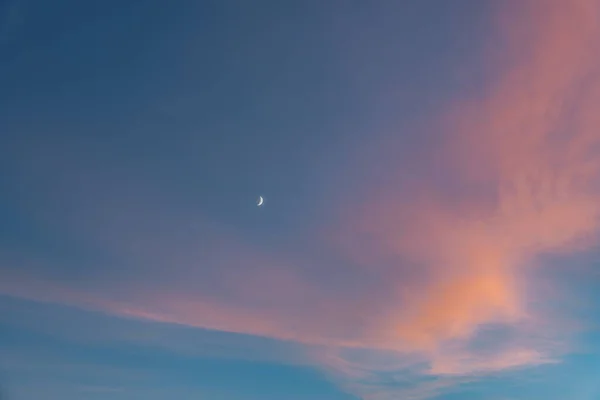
(430, 221)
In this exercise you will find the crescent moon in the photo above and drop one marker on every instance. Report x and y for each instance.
(260, 201)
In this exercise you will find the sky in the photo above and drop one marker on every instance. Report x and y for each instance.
(431, 217)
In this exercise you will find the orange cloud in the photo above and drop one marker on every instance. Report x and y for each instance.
(522, 168)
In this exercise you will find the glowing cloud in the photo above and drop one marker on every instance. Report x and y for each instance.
(520, 168)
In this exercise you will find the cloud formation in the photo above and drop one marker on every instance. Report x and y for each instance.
(516, 179)
(448, 283)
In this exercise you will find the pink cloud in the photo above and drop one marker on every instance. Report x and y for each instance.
(454, 252)
(520, 168)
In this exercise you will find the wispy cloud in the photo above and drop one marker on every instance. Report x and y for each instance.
(517, 180)
(451, 260)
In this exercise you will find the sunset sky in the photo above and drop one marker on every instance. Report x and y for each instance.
(431, 175)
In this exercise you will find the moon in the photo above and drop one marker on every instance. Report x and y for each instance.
(260, 201)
